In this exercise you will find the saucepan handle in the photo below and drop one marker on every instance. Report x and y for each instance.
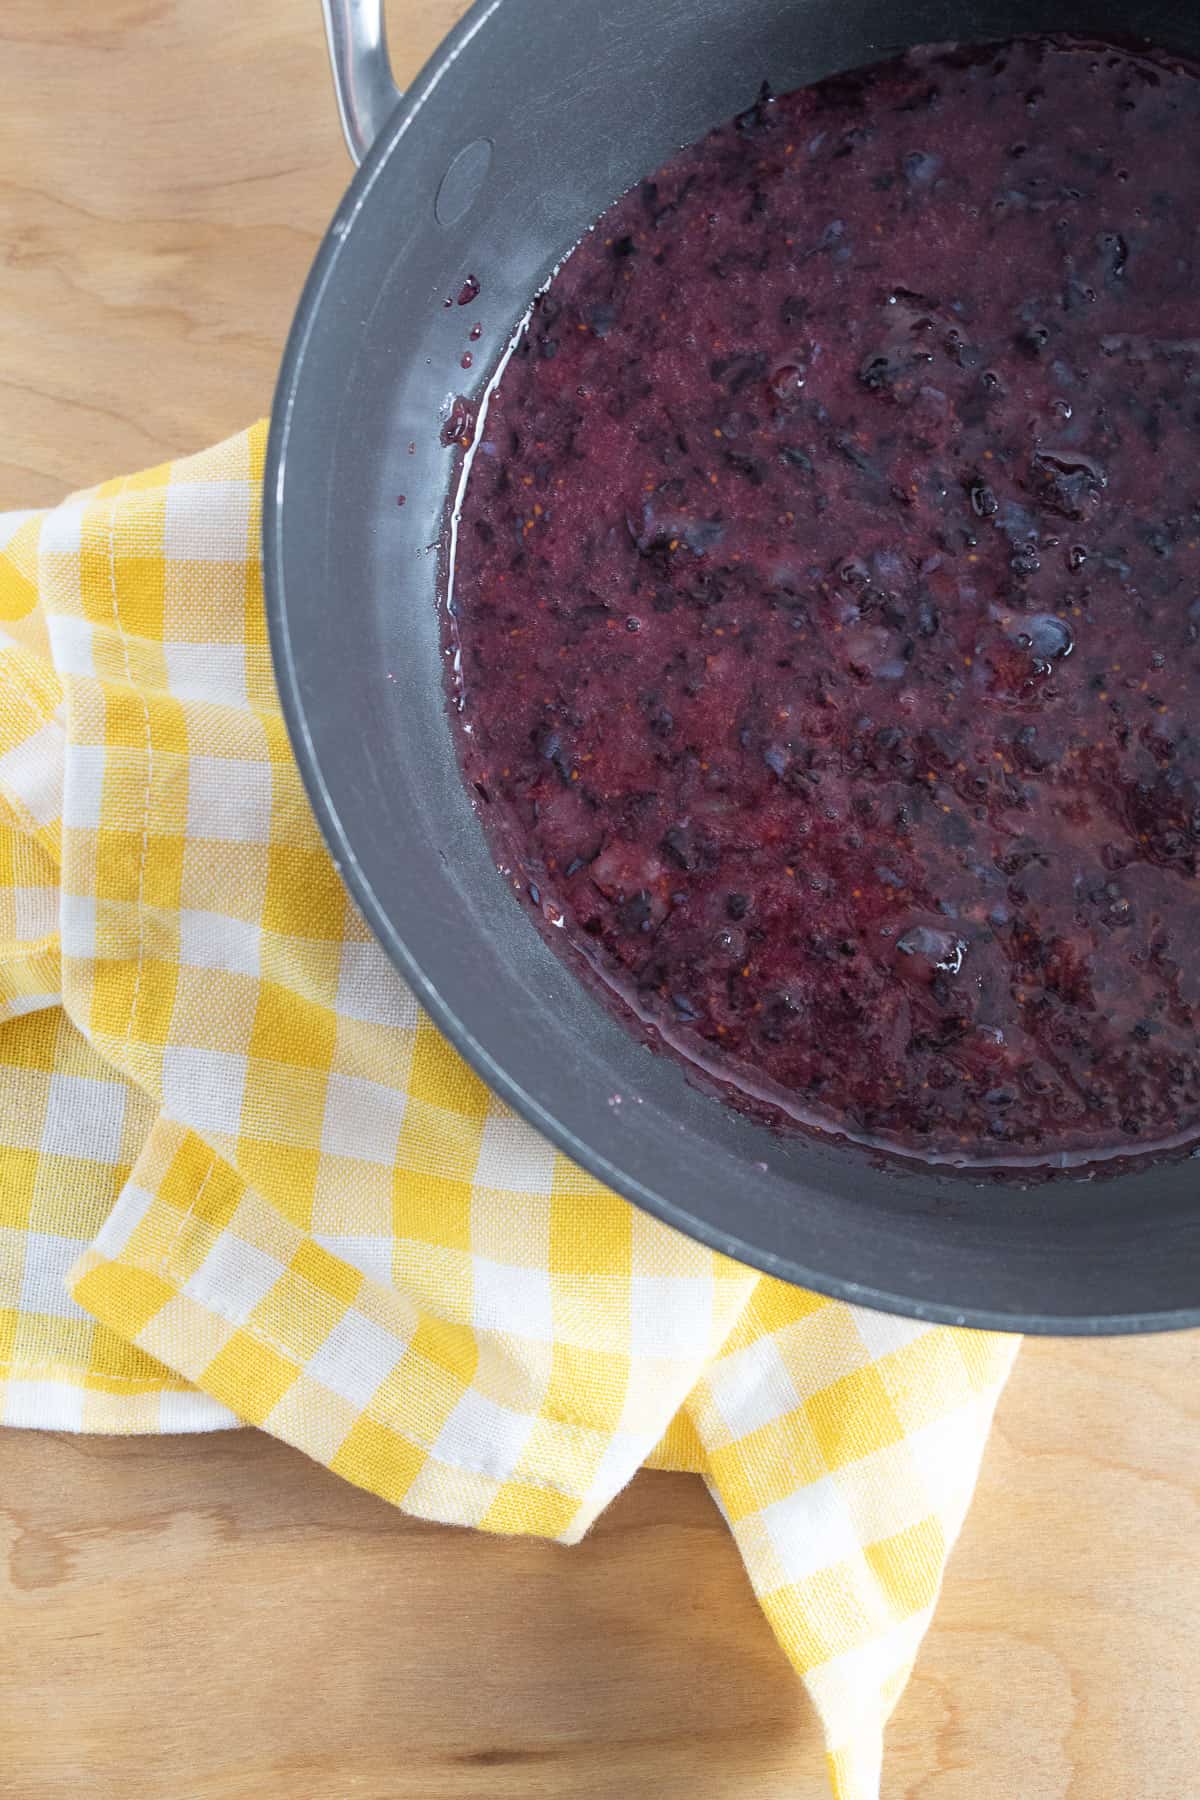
(362, 72)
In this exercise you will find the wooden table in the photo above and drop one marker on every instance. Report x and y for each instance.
(216, 1616)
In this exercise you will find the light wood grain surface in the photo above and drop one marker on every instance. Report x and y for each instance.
(216, 1617)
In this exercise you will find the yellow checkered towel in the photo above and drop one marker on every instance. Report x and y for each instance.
(243, 1179)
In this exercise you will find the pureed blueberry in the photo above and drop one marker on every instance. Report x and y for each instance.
(827, 605)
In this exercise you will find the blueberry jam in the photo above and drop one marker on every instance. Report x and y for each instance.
(827, 605)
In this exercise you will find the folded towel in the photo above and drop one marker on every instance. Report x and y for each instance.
(277, 1196)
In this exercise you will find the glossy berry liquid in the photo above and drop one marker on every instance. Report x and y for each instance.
(827, 602)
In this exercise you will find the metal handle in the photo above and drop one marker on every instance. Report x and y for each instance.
(362, 72)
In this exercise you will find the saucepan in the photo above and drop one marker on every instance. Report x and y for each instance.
(526, 123)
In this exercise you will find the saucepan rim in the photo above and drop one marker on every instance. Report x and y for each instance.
(318, 284)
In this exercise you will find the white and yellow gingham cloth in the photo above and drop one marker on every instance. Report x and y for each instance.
(243, 1179)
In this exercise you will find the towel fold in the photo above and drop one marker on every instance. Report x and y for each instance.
(242, 1178)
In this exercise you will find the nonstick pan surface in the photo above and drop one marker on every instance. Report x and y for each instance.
(526, 124)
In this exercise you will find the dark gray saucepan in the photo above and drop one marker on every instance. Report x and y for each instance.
(527, 122)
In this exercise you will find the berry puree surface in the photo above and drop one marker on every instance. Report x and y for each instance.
(826, 605)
